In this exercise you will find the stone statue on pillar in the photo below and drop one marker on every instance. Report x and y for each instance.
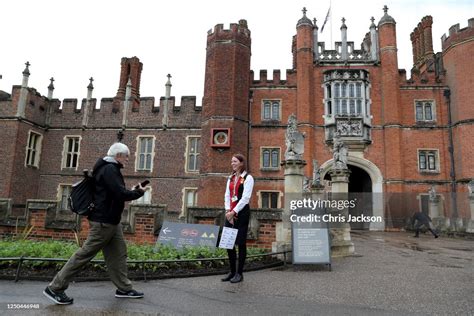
(294, 140)
(340, 153)
(294, 181)
(316, 174)
(341, 233)
(306, 185)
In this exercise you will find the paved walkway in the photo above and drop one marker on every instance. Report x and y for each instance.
(391, 274)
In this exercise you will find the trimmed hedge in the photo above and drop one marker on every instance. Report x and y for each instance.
(64, 250)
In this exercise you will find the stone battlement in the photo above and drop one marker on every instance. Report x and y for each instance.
(240, 27)
(457, 35)
(238, 32)
(70, 111)
(264, 81)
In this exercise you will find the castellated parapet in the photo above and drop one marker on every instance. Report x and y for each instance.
(263, 81)
(70, 113)
(457, 35)
(237, 32)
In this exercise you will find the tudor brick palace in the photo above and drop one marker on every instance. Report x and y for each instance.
(410, 137)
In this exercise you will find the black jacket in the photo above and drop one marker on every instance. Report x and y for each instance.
(421, 218)
(110, 193)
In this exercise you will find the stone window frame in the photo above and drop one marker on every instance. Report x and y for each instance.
(188, 154)
(424, 102)
(342, 76)
(272, 102)
(260, 197)
(184, 200)
(145, 199)
(427, 151)
(66, 152)
(63, 195)
(271, 148)
(138, 153)
(36, 150)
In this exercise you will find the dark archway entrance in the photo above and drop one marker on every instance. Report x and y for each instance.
(360, 188)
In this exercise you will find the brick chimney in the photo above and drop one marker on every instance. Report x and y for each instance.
(426, 24)
(130, 68)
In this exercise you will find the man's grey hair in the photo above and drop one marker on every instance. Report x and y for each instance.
(118, 148)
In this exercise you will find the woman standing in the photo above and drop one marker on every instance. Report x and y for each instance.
(237, 197)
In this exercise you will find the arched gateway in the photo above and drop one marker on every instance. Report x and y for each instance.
(369, 180)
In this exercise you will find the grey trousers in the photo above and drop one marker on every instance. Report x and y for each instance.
(109, 239)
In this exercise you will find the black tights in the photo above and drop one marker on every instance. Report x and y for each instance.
(232, 253)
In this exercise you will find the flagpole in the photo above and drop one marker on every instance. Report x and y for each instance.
(328, 16)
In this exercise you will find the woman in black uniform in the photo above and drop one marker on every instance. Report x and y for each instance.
(237, 197)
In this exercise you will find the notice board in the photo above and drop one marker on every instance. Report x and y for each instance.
(310, 239)
(180, 234)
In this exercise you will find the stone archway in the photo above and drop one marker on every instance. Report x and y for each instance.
(377, 185)
(360, 188)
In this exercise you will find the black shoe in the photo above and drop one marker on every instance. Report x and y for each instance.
(58, 298)
(436, 236)
(228, 277)
(237, 278)
(128, 294)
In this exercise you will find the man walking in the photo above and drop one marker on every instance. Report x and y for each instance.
(105, 230)
(422, 219)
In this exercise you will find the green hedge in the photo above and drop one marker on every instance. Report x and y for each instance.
(61, 249)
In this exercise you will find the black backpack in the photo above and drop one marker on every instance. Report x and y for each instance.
(81, 199)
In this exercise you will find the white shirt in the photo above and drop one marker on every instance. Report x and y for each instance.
(248, 188)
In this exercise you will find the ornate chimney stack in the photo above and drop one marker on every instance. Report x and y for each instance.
(422, 43)
(131, 68)
(426, 24)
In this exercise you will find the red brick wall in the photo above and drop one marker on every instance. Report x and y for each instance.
(458, 61)
(144, 224)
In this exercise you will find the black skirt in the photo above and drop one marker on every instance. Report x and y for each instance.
(242, 224)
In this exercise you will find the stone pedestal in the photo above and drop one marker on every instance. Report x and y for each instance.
(317, 192)
(434, 207)
(470, 224)
(341, 245)
(436, 212)
(441, 223)
(293, 188)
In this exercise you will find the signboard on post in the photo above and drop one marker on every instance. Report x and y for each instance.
(310, 238)
(180, 235)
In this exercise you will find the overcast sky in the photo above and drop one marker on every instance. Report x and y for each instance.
(74, 40)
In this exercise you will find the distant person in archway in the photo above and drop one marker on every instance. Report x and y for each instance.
(238, 191)
(422, 219)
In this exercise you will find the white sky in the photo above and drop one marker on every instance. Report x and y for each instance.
(76, 39)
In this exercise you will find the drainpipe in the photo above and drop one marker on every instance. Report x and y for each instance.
(447, 95)
(249, 113)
